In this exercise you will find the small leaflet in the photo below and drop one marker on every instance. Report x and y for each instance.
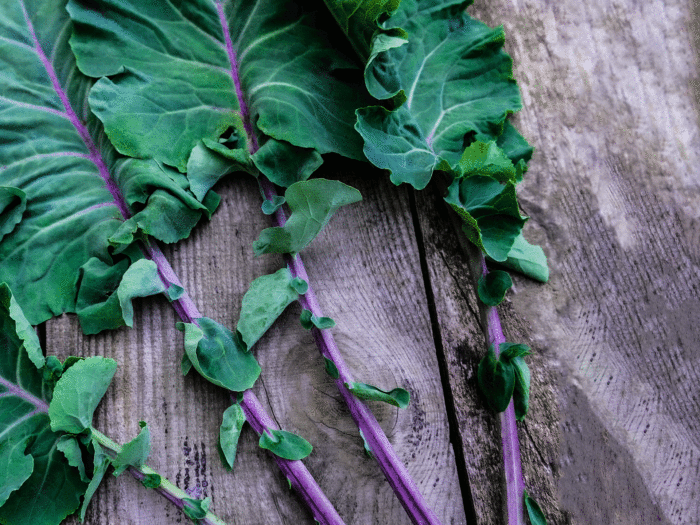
(196, 509)
(308, 321)
(300, 285)
(267, 297)
(135, 452)
(285, 444)
(312, 204)
(397, 397)
(271, 206)
(174, 292)
(496, 380)
(78, 392)
(213, 352)
(100, 462)
(493, 286)
(229, 433)
(506, 377)
(331, 369)
(534, 511)
(71, 449)
(151, 481)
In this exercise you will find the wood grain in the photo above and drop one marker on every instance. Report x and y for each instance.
(366, 272)
(610, 104)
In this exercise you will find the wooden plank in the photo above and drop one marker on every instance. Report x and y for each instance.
(365, 269)
(611, 106)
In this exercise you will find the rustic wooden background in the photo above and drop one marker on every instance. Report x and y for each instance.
(611, 98)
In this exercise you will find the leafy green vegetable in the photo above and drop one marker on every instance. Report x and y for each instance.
(77, 191)
(230, 431)
(398, 397)
(135, 452)
(506, 377)
(214, 353)
(312, 204)
(263, 303)
(172, 87)
(458, 86)
(285, 444)
(78, 392)
(300, 285)
(534, 511)
(493, 286)
(309, 320)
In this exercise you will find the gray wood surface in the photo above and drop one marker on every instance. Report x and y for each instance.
(610, 91)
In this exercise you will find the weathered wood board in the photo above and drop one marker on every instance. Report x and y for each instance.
(611, 98)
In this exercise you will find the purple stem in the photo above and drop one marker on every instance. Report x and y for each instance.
(394, 470)
(515, 485)
(300, 478)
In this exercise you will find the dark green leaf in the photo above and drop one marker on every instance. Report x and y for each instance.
(458, 86)
(210, 161)
(534, 511)
(230, 431)
(305, 319)
(214, 353)
(185, 365)
(521, 392)
(263, 303)
(78, 392)
(13, 202)
(308, 321)
(15, 465)
(151, 481)
(135, 452)
(168, 89)
(331, 369)
(516, 148)
(493, 286)
(496, 380)
(100, 462)
(509, 351)
(284, 164)
(196, 509)
(312, 204)
(271, 206)
(300, 285)
(490, 213)
(285, 444)
(398, 397)
(71, 450)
